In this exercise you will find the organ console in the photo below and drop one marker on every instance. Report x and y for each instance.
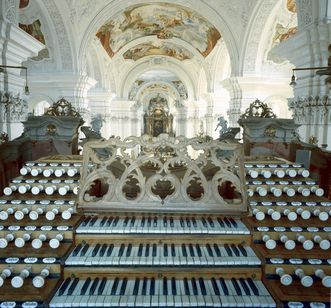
(79, 257)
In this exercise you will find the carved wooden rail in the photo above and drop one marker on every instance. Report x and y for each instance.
(162, 174)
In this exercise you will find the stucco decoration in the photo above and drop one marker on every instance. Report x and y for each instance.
(163, 20)
(158, 48)
(163, 173)
(11, 11)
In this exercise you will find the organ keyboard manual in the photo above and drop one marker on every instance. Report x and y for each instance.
(164, 222)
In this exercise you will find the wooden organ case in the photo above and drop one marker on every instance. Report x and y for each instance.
(138, 225)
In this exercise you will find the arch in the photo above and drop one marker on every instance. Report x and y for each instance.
(255, 28)
(143, 65)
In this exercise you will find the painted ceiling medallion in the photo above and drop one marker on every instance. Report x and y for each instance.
(162, 48)
(163, 20)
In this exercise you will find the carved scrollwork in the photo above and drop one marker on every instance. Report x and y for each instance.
(136, 175)
(257, 109)
(62, 108)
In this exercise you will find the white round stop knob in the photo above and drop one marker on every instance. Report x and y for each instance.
(59, 172)
(303, 172)
(50, 190)
(35, 214)
(303, 213)
(39, 281)
(324, 244)
(275, 215)
(279, 173)
(261, 191)
(290, 192)
(285, 279)
(35, 171)
(307, 244)
(326, 280)
(19, 215)
(269, 243)
(20, 241)
(72, 172)
(50, 215)
(67, 213)
(319, 192)
(291, 216)
(63, 190)
(304, 191)
(18, 281)
(48, 172)
(306, 281)
(266, 174)
(55, 242)
(276, 191)
(259, 215)
(289, 244)
(291, 173)
(37, 243)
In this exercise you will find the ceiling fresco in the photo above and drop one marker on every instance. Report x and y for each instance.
(163, 20)
(157, 48)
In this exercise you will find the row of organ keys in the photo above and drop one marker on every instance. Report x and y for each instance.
(290, 214)
(37, 210)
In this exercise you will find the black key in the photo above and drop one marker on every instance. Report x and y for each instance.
(224, 287)
(199, 252)
(85, 286)
(109, 221)
(152, 291)
(93, 221)
(165, 286)
(165, 250)
(194, 286)
(149, 222)
(121, 250)
(72, 286)
(194, 222)
(84, 250)
(188, 223)
(64, 286)
(133, 220)
(125, 222)
(154, 251)
(202, 286)
(123, 287)
(242, 250)
(253, 287)
(171, 222)
(115, 221)
(103, 250)
(227, 222)
(95, 250)
(173, 286)
(110, 249)
(210, 252)
(147, 251)
(220, 221)
(155, 222)
(235, 250)
(94, 286)
(236, 286)
(86, 221)
(103, 221)
(204, 222)
(191, 250)
(234, 223)
(144, 287)
(173, 251)
(181, 221)
(140, 250)
(184, 250)
(211, 223)
(186, 287)
(228, 250)
(217, 250)
(114, 287)
(102, 285)
(244, 286)
(76, 250)
(215, 287)
(136, 286)
(128, 251)
(142, 223)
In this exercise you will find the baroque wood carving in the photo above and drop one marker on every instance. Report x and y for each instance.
(162, 173)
